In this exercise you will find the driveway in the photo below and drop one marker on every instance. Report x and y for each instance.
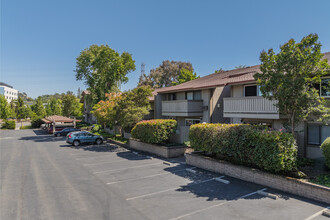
(42, 177)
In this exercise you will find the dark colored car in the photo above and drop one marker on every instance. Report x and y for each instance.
(65, 131)
(57, 128)
(82, 137)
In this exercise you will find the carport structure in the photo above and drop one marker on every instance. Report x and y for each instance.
(60, 121)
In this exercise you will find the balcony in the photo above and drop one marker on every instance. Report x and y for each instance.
(250, 107)
(183, 108)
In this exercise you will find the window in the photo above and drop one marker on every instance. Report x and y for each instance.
(194, 95)
(190, 95)
(190, 122)
(325, 87)
(171, 96)
(316, 134)
(252, 90)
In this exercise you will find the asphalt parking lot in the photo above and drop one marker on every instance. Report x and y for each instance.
(111, 182)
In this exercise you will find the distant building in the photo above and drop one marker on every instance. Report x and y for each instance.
(8, 91)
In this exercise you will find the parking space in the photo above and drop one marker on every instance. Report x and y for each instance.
(169, 189)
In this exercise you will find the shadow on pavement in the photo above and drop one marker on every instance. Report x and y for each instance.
(42, 138)
(41, 132)
(96, 148)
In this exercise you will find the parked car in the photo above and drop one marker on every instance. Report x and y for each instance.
(65, 131)
(57, 128)
(82, 137)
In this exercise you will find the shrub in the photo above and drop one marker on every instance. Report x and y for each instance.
(36, 122)
(96, 128)
(325, 146)
(11, 124)
(154, 131)
(273, 151)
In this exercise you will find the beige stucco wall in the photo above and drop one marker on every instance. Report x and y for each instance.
(216, 104)
(237, 91)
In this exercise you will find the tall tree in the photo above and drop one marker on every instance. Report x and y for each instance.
(39, 108)
(133, 106)
(185, 76)
(54, 106)
(290, 77)
(71, 105)
(105, 111)
(5, 110)
(164, 75)
(20, 110)
(103, 69)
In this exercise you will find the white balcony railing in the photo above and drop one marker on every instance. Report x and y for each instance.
(182, 108)
(250, 107)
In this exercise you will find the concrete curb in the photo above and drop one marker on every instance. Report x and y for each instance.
(286, 184)
(163, 151)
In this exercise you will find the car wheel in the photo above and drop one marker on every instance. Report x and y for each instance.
(58, 134)
(98, 141)
(76, 143)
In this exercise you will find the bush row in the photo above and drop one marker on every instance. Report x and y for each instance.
(36, 122)
(9, 124)
(154, 131)
(273, 151)
(326, 151)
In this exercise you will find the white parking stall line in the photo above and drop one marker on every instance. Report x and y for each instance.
(158, 192)
(317, 214)
(217, 205)
(145, 177)
(125, 168)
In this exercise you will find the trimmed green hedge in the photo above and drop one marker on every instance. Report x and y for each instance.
(9, 124)
(36, 122)
(325, 146)
(154, 131)
(273, 151)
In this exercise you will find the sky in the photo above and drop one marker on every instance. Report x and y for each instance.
(41, 39)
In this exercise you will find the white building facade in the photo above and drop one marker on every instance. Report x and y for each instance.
(8, 91)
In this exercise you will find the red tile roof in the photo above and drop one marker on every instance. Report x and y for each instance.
(229, 77)
(58, 118)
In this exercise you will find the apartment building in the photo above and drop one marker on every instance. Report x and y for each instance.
(234, 97)
(8, 91)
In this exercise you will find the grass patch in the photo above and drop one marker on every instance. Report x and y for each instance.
(26, 127)
(323, 180)
(116, 137)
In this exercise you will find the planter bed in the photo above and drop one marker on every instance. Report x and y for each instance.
(286, 184)
(163, 151)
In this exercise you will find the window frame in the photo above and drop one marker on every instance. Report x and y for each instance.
(319, 136)
(257, 88)
(328, 77)
(192, 119)
(193, 95)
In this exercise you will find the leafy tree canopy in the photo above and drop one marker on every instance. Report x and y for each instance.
(71, 105)
(164, 75)
(5, 110)
(133, 106)
(185, 76)
(290, 77)
(103, 69)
